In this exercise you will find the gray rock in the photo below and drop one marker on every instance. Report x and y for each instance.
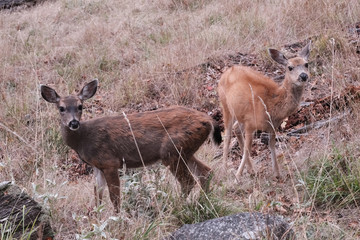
(21, 217)
(239, 226)
(7, 4)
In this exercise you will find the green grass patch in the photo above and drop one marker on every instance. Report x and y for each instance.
(207, 206)
(334, 180)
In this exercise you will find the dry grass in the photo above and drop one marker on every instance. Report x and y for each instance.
(136, 50)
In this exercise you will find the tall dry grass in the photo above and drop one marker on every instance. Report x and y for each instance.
(136, 49)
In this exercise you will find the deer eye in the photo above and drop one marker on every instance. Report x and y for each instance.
(80, 107)
(306, 65)
(61, 109)
(290, 68)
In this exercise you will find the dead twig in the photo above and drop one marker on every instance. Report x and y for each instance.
(17, 135)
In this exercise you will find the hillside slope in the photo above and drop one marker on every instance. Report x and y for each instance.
(152, 54)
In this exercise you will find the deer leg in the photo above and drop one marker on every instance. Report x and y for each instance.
(201, 171)
(113, 182)
(99, 186)
(246, 155)
(227, 137)
(273, 154)
(239, 133)
(179, 169)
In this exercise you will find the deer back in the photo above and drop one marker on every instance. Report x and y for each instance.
(158, 134)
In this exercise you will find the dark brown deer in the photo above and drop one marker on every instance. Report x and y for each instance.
(171, 135)
(256, 102)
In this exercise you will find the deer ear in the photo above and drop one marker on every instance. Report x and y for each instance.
(49, 94)
(89, 90)
(278, 57)
(305, 52)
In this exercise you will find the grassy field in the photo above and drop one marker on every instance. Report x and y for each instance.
(137, 49)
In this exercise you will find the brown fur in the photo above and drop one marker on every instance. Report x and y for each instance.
(107, 143)
(256, 102)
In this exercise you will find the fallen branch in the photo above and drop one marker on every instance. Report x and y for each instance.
(315, 125)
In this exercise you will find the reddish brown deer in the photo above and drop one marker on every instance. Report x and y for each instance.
(256, 102)
(171, 135)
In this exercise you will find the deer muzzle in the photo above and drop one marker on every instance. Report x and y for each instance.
(74, 125)
(303, 77)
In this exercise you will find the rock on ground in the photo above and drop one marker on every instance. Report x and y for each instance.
(7, 4)
(21, 217)
(238, 226)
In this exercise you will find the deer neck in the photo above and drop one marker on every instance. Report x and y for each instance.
(294, 92)
(72, 138)
(288, 100)
(293, 95)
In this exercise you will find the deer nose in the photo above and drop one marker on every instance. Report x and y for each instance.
(303, 77)
(74, 125)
